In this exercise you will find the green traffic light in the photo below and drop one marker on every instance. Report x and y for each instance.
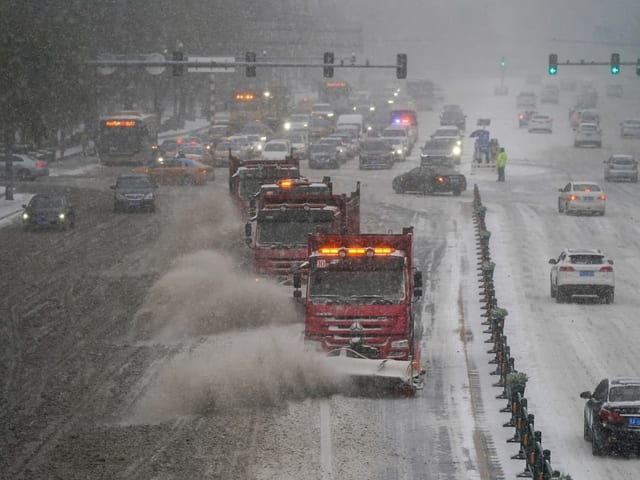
(553, 70)
(502, 63)
(615, 70)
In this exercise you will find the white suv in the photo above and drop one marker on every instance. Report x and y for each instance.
(584, 273)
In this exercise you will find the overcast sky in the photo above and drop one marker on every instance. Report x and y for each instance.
(455, 37)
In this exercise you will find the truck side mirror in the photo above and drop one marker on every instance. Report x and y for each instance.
(417, 284)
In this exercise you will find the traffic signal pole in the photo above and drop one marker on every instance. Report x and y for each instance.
(614, 64)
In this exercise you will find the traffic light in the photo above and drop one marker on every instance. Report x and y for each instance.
(553, 64)
(502, 63)
(178, 56)
(328, 59)
(615, 63)
(250, 57)
(638, 67)
(401, 68)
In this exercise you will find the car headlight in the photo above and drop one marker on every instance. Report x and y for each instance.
(263, 139)
(149, 196)
(258, 147)
(400, 151)
(25, 216)
(287, 126)
(456, 150)
(120, 196)
(459, 142)
(61, 216)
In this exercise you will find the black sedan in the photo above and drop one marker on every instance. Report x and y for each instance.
(49, 210)
(430, 180)
(612, 416)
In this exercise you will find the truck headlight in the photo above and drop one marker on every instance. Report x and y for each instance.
(25, 216)
(61, 216)
(287, 126)
(400, 151)
(456, 150)
(400, 343)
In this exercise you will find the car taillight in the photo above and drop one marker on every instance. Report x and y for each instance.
(40, 164)
(602, 197)
(610, 416)
(567, 268)
(441, 179)
(572, 197)
(521, 116)
(606, 268)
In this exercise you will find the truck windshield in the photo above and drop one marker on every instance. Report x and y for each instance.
(291, 233)
(357, 285)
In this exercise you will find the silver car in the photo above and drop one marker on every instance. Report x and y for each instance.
(25, 167)
(621, 167)
(630, 129)
(588, 134)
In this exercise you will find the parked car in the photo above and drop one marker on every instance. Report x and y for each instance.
(582, 197)
(630, 129)
(24, 167)
(581, 273)
(134, 191)
(588, 134)
(612, 415)
(49, 210)
(540, 123)
(621, 167)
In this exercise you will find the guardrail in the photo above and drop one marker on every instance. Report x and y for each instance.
(513, 383)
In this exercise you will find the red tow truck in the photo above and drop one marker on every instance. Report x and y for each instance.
(285, 213)
(246, 177)
(363, 306)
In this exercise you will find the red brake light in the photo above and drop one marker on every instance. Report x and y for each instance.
(567, 268)
(610, 416)
(606, 268)
(521, 116)
(40, 164)
(588, 190)
(602, 197)
(572, 197)
(441, 179)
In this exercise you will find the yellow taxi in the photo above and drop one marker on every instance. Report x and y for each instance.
(178, 171)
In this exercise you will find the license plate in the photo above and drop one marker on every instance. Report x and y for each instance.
(135, 204)
(43, 222)
(587, 199)
(586, 273)
(634, 421)
(454, 179)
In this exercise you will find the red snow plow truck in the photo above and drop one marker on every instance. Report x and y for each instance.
(362, 307)
(246, 177)
(285, 213)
